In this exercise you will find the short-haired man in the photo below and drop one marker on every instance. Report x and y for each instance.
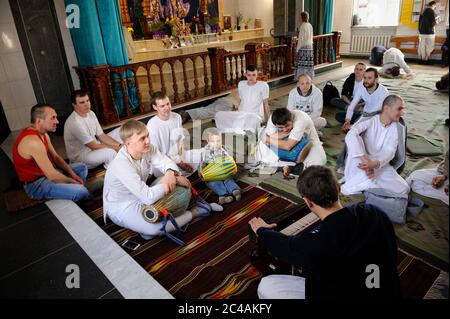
(39, 166)
(308, 98)
(349, 89)
(83, 136)
(336, 260)
(253, 105)
(166, 131)
(285, 129)
(125, 192)
(373, 95)
(372, 145)
(427, 21)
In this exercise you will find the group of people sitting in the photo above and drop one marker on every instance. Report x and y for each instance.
(350, 238)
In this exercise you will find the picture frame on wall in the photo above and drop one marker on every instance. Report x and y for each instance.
(226, 22)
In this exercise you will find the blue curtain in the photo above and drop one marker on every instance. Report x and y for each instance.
(100, 41)
(327, 16)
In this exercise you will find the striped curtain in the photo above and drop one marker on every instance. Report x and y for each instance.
(320, 15)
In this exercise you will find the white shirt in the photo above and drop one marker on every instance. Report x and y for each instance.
(311, 104)
(379, 142)
(125, 181)
(79, 131)
(167, 136)
(358, 85)
(252, 97)
(394, 56)
(302, 126)
(373, 102)
(305, 35)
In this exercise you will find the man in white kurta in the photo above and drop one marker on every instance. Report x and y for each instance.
(84, 138)
(308, 98)
(166, 131)
(297, 124)
(253, 106)
(393, 57)
(372, 145)
(125, 191)
(373, 95)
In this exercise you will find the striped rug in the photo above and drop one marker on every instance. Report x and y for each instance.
(215, 263)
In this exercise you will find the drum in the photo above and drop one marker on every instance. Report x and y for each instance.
(174, 203)
(219, 169)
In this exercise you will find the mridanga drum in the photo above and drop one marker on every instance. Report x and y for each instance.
(175, 203)
(219, 169)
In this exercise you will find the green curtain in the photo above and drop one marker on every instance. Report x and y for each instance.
(327, 14)
(320, 15)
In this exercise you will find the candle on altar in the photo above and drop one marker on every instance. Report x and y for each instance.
(196, 28)
(184, 24)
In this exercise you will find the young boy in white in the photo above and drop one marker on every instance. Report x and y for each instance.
(227, 190)
(125, 191)
(308, 98)
(166, 131)
(253, 106)
(84, 138)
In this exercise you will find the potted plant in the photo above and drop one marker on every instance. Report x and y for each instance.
(239, 18)
(246, 23)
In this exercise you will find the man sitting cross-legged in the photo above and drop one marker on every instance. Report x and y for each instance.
(125, 192)
(166, 132)
(39, 166)
(308, 98)
(284, 133)
(372, 145)
(340, 260)
(349, 89)
(372, 93)
(253, 105)
(84, 138)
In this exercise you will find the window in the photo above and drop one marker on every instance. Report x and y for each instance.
(376, 12)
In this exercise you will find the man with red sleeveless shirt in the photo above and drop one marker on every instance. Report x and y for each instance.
(39, 166)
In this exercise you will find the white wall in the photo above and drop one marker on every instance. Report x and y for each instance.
(261, 9)
(342, 21)
(16, 90)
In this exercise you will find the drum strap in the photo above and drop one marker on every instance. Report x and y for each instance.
(168, 217)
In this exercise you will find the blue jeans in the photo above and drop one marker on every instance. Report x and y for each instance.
(339, 103)
(223, 188)
(44, 189)
(293, 153)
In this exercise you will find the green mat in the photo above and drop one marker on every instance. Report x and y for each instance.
(426, 235)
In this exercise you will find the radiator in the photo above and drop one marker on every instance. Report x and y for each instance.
(365, 43)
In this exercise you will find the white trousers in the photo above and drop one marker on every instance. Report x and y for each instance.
(102, 156)
(420, 182)
(357, 181)
(316, 156)
(132, 219)
(319, 123)
(426, 45)
(281, 287)
(208, 112)
(237, 122)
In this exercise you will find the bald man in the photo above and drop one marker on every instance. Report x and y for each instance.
(308, 98)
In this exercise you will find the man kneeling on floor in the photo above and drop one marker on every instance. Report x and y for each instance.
(352, 256)
(125, 192)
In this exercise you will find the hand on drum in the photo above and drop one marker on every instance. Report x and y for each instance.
(169, 181)
(183, 181)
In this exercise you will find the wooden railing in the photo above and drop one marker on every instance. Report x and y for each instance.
(122, 92)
